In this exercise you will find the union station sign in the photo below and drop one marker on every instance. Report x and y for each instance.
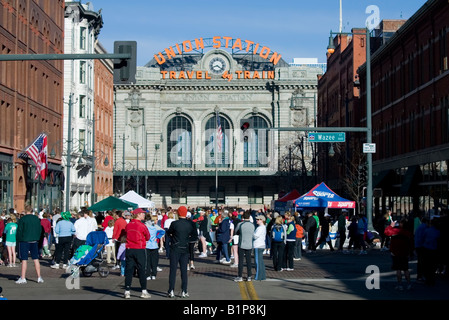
(218, 63)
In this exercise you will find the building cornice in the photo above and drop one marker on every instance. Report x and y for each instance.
(267, 86)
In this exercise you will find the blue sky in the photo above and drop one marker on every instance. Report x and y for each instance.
(293, 28)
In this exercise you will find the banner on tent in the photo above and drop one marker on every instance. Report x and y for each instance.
(341, 204)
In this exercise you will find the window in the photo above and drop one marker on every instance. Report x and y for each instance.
(83, 72)
(255, 195)
(83, 38)
(82, 139)
(6, 181)
(443, 50)
(179, 143)
(255, 148)
(221, 157)
(179, 195)
(82, 105)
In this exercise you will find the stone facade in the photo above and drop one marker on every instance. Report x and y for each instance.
(189, 93)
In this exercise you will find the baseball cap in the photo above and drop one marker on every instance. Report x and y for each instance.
(138, 210)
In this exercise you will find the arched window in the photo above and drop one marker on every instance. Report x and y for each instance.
(217, 139)
(255, 147)
(179, 143)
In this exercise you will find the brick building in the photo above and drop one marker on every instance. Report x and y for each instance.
(339, 106)
(410, 111)
(104, 141)
(30, 98)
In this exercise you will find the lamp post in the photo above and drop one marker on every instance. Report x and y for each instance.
(137, 146)
(369, 189)
(92, 199)
(123, 164)
(69, 153)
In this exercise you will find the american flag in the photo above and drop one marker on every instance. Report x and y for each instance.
(37, 151)
(219, 135)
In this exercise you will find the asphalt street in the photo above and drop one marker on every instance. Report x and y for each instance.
(323, 275)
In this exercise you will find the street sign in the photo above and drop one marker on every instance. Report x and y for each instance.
(327, 137)
(369, 148)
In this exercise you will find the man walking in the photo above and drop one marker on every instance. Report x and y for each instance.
(180, 233)
(342, 228)
(137, 235)
(311, 229)
(29, 231)
(245, 230)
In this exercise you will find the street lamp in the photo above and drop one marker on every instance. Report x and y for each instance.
(69, 153)
(369, 189)
(123, 164)
(137, 146)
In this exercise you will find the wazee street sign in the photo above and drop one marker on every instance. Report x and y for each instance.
(327, 137)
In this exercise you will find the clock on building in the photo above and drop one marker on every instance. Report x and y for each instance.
(217, 65)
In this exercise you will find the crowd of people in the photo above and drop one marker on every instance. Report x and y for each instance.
(237, 238)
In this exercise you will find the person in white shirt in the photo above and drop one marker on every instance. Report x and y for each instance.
(259, 246)
(93, 221)
(110, 247)
(83, 226)
(166, 226)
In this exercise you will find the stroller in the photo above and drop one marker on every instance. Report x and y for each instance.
(88, 258)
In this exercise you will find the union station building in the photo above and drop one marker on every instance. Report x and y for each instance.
(207, 122)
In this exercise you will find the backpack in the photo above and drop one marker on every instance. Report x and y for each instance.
(299, 231)
(278, 233)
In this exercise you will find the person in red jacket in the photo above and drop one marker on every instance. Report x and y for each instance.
(137, 235)
(401, 247)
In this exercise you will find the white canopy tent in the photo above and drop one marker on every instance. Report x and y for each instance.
(132, 196)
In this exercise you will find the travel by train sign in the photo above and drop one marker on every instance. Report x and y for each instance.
(239, 74)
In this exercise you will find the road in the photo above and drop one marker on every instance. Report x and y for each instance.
(324, 275)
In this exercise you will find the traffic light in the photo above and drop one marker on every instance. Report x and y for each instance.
(125, 69)
(363, 171)
(245, 124)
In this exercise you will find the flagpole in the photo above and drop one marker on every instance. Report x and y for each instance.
(216, 160)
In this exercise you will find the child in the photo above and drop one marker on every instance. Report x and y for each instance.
(121, 255)
(110, 247)
(46, 225)
(152, 247)
(10, 232)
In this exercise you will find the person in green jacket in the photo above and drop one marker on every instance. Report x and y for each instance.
(29, 231)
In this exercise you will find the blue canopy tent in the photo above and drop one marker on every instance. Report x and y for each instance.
(321, 196)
